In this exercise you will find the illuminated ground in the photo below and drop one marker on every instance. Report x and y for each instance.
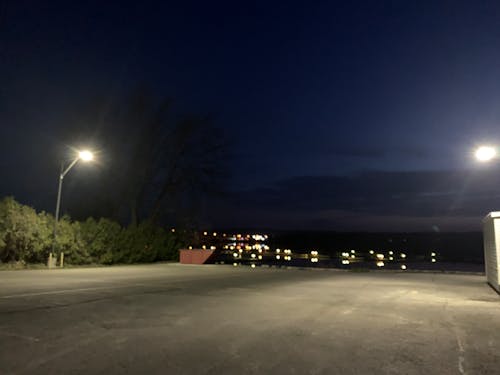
(174, 319)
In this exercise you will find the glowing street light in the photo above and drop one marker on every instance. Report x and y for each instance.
(86, 155)
(83, 155)
(485, 153)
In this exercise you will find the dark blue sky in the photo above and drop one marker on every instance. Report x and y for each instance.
(324, 101)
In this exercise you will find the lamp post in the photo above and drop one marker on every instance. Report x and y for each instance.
(84, 156)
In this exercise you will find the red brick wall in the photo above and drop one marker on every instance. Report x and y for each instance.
(195, 256)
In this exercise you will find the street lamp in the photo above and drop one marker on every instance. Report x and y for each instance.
(85, 156)
(485, 153)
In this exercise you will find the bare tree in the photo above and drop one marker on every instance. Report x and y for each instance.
(157, 163)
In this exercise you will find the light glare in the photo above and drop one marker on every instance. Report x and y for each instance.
(485, 153)
(86, 155)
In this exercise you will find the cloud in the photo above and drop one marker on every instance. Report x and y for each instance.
(418, 199)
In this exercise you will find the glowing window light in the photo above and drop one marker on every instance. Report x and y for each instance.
(380, 264)
(278, 250)
(391, 252)
(353, 251)
(403, 255)
(433, 260)
(433, 254)
(391, 258)
(344, 254)
(380, 256)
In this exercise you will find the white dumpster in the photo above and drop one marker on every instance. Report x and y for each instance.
(491, 238)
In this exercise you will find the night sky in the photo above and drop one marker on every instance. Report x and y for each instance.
(341, 116)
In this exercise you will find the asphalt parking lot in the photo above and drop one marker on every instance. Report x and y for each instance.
(180, 319)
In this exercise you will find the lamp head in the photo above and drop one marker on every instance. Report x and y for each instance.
(485, 153)
(86, 155)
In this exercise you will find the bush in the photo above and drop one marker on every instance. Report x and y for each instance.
(101, 239)
(27, 237)
(146, 243)
(24, 234)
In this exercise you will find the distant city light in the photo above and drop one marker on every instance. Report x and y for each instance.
(433, 254)
(345, 261)
(391, 258)
(372, 252)
(205, 233)
(235, 264)
(314, 260)
(259, 257)
(433, 260)
(235, 255)
(253, 255)
(380, 264)
(278, 257)
(353, 256)
(380, 256)
(253, 265)
(403, 266)
(403, 255)
(391, 252)
(214, 234)
(353, 251)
